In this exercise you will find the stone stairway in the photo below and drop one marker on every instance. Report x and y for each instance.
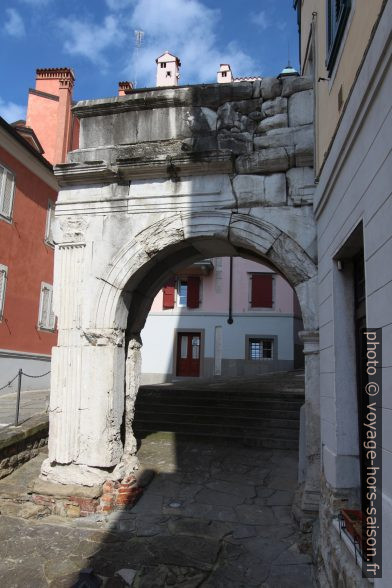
(260, 411)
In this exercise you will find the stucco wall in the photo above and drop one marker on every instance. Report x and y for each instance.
(363, 16)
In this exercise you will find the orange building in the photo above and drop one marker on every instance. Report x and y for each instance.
(28, 192)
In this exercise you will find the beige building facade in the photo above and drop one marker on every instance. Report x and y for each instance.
(345, 47)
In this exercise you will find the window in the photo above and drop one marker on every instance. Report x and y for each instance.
(3, 282)
(46, 319)
(224, 74)
(260, 349)
(182, 293)
(7, 188)
(261, 290)
(163, 65)
(168, 74)
(337, 15)
(49, 224)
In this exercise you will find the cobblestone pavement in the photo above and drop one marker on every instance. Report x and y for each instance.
(31, 402)
(214, 516)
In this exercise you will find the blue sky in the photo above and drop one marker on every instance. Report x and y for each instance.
(96, 39)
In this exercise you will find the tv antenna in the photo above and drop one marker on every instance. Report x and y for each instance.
(138, 43)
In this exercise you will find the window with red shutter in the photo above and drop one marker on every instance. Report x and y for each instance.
(193, 294)
(168, 295)
(261, 291)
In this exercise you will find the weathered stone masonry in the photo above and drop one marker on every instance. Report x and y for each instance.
(163, 178)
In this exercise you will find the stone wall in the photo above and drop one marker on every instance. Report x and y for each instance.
(22, 444)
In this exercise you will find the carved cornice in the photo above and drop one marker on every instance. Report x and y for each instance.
(127, 169)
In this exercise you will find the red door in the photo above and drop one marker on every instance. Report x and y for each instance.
(188, 354)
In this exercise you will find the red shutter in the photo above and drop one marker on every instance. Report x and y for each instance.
(168, 295)
(261, 291)
(193, 293)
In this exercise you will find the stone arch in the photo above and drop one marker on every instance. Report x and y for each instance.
(171, 240)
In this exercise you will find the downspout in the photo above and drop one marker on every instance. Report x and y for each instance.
(230, 319)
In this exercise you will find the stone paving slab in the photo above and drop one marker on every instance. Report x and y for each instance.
(194, 527)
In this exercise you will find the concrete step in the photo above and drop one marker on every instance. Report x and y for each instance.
(213, 419)
(247, 441)
(224, 429)
(262, 412)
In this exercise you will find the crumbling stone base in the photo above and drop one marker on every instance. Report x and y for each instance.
(81, 501)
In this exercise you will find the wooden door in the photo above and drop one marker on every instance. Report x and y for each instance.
(188, 354)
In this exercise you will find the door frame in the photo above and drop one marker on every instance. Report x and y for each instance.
(201, 332)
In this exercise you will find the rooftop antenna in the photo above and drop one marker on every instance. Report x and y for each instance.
(138, 43)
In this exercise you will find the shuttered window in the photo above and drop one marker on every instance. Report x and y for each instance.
(168, 295)
(193, 294)
(261, 291)
(3, 283)
(7, 188)
(49, 223)
(46, 316)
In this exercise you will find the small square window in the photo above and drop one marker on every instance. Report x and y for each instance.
(163, 65)
(224, 74)
(260, 349)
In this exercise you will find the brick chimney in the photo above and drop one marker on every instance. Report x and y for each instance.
(49, 113)
(124, 88)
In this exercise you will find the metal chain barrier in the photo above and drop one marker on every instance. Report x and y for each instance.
(19, 377)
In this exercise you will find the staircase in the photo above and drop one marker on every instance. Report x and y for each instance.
(260, 411)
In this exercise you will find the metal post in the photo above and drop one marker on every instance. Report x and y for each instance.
(20, 372)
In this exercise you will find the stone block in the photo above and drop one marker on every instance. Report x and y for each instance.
(272, 107)
(304, 146)
(238, 143)
(249, 190)
(228, 116)
(263, 161)
(270, 88)
(296, 84)
(277, 121)
(275, 189)
(300, 182)
(300, 108)
(283, 137)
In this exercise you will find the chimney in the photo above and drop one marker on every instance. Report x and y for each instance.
(224, 75)
(168, 69)
(124, 88)
(49, 113)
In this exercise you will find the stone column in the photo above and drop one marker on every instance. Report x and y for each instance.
(87, 382)
(311, 492)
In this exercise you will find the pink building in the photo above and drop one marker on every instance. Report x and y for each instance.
(211, 328)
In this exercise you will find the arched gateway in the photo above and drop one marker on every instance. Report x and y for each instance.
(163, 178)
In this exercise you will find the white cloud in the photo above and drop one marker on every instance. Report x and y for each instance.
(14, 24)
(260, 19)
(91, 40)
(187, 29)
(11, 111)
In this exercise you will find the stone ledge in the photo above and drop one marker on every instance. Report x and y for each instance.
(22, 443)
(14, 435)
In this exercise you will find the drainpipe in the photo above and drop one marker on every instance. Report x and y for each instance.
(230, 319)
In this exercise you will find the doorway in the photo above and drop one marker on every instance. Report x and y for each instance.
(188, 354)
